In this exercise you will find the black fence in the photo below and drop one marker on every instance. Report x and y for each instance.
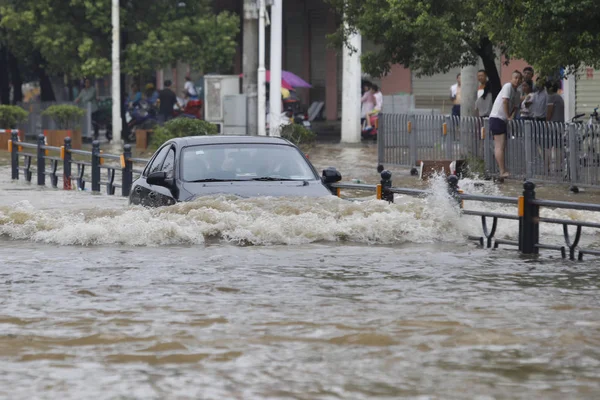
(91, 166)
(528, 215)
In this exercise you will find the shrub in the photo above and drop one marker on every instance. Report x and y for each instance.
(298, 135)
(11, 116)
(181, 127)
(65, 116)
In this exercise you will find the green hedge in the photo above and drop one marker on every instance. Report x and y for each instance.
(298, 135)
(65, 116)
(181, 127)
(11, 116)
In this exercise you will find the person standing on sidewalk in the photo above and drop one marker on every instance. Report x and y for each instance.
(503, 111)
(455, 95)
(167, 100)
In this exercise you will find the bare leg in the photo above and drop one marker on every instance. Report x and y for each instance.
(499, 148)
(368, 120)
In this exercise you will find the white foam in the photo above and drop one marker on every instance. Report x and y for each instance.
(267, 221)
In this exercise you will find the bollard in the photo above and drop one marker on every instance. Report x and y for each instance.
(14, 154)
(453, 187)
(66, 156)
(95, 166)
(386, 184)
(529, 216)
(127, 170)
(41, 161)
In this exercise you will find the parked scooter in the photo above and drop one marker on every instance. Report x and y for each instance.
(370, 133)
(140, 116)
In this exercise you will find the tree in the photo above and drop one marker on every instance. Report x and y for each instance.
(427, 36)
(73, 37)
(557, 33)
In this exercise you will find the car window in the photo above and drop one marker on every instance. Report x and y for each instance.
(169, 163)
(244, 162)
(158, 160)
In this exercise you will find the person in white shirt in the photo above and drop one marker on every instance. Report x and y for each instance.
(455, 96)
(503, 110)
(378, 105)
(190, 88)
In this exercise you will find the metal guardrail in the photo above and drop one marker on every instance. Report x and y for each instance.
(528, 215)
(65, 156)
(536, 150)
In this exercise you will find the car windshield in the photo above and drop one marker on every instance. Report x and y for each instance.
(244, 162)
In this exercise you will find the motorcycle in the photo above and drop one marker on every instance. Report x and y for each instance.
(192, 109)
(370, 133)
(140, 116)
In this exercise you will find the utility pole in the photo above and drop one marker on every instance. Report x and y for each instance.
(468, 94)
(116, 72)
(351, 90)
(262, 89)
(275, 84)
(250, 65)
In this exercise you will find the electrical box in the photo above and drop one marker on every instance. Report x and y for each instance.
(234, 114)
(216, 87)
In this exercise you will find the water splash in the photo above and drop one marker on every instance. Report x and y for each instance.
(264, 221)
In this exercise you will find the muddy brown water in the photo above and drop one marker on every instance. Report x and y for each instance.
(227, 298)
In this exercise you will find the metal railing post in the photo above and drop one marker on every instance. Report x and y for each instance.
(14, 154)
(41, 160)
(449, 137)
(382, 131)
(67, 164)
(95, 166)
(126, 170)
(529, 229)
(412, 137)
(529, 159)
(573, 154)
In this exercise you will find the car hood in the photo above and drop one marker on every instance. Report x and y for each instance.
(255, 189)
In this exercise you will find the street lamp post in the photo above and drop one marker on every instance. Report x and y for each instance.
(116, 73)
(275, 84)
(262, 89)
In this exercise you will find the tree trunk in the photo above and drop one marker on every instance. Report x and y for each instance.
(488, 57)
(46, 90)
(4, 86)
(15, 76)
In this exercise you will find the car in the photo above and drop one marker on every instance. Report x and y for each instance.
(183, 169)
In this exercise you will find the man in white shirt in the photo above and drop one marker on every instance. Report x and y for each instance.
(455, 96)
(503, 110)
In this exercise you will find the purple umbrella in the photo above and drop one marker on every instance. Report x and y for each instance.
(294, 80)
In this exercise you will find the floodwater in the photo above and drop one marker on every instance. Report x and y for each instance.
(290, 299)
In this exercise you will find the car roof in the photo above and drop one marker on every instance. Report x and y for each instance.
(229, 139)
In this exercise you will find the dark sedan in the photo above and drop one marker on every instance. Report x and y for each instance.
(247, 166)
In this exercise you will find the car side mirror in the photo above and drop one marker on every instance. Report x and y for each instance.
(331, 175)
(158, 178)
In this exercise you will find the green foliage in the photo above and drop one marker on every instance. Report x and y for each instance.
(11, 116)
(75, 36)
(65, 116)
(432, 36)
(298, 135)
(547, 34)
(181, 127)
